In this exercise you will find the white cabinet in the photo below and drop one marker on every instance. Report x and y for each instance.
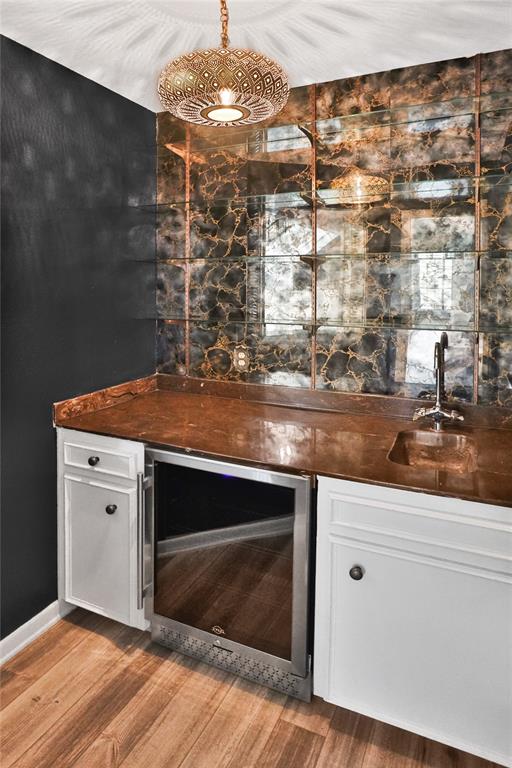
(424, 639)
(101, 513)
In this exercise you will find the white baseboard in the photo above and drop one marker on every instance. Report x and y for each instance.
(28, 632)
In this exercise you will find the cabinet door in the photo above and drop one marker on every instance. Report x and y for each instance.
(100, 543)
(423, 640)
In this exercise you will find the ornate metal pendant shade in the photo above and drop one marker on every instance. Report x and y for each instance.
(359, 186)
(223, 86)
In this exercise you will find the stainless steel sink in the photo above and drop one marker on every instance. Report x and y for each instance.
(435, 450)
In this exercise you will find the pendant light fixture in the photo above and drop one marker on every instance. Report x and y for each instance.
(223, 86)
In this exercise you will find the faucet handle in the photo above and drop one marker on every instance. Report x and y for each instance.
(419, 413)
(456, 416)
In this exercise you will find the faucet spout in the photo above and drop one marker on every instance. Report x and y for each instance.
(437, 412)
(437, 355)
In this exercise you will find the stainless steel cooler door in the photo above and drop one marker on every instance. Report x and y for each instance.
(230, 554)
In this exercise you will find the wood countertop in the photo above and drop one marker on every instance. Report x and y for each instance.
(352, 446)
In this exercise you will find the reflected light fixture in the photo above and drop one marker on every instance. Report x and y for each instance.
(223, 86)
(359, 186)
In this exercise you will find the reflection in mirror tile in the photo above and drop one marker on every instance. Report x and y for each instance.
(170, 340)
(439, 81)
(391, 362)
(496, 291)
(280, 227)
(341, 290)
(433, 216)
(171, 173)
(353, 229)
(353, 95)
(496, 134)
(421, 290)
(170, 290)
(341, 145)
(279, 290)
(433, 148)
(495, 375)
(496, 72)
(171, 232)
(496, 214)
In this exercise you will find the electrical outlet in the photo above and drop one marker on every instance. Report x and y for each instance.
(241, 358)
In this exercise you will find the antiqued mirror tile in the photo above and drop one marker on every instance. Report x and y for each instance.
(171, 223)
(439, 81)
(273, 177)
(411, 290)
(352, 95)
(496, 71)
(170, 350)
(271, 290)
(218, 290)
(353, 229)
(433, 148)
(420, 216)
(496, 292)
(280, 227)
(170, 130)
(171, 173)
(391, 362)
(496, 141)
(422, 290)
(296, 109)
(342, 146)
(279, 290)
(271, 225)
(353, 360)
(219, 175)
(495, 374)
(219, 229)
(433, 216)
(496, 214)
(254, 353)
(267, 168)
(341, 290)
(170, 290)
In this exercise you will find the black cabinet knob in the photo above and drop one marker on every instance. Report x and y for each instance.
(93, 460)
(356, 573)
(110, 509)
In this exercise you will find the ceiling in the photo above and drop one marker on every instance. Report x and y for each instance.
(123, 44)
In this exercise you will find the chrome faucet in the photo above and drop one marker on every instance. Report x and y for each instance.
(437, 411)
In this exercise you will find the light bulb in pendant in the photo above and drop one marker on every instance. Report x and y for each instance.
(226, 96)
(226, 111)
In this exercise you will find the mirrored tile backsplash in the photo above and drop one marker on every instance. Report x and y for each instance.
(328, 248)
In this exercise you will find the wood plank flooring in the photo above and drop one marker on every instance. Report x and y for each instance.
(91, 693)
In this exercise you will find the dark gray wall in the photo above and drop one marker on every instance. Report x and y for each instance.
(77, 287)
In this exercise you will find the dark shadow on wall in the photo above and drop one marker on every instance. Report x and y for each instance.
(78, 162)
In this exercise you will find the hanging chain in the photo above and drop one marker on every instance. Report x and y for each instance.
(224, 18)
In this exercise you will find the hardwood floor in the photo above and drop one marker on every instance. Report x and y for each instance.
(91, 693)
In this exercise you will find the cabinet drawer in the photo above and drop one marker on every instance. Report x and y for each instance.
(97, 458)
(451, 529)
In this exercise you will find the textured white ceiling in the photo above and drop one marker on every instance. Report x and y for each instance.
(123, 44)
